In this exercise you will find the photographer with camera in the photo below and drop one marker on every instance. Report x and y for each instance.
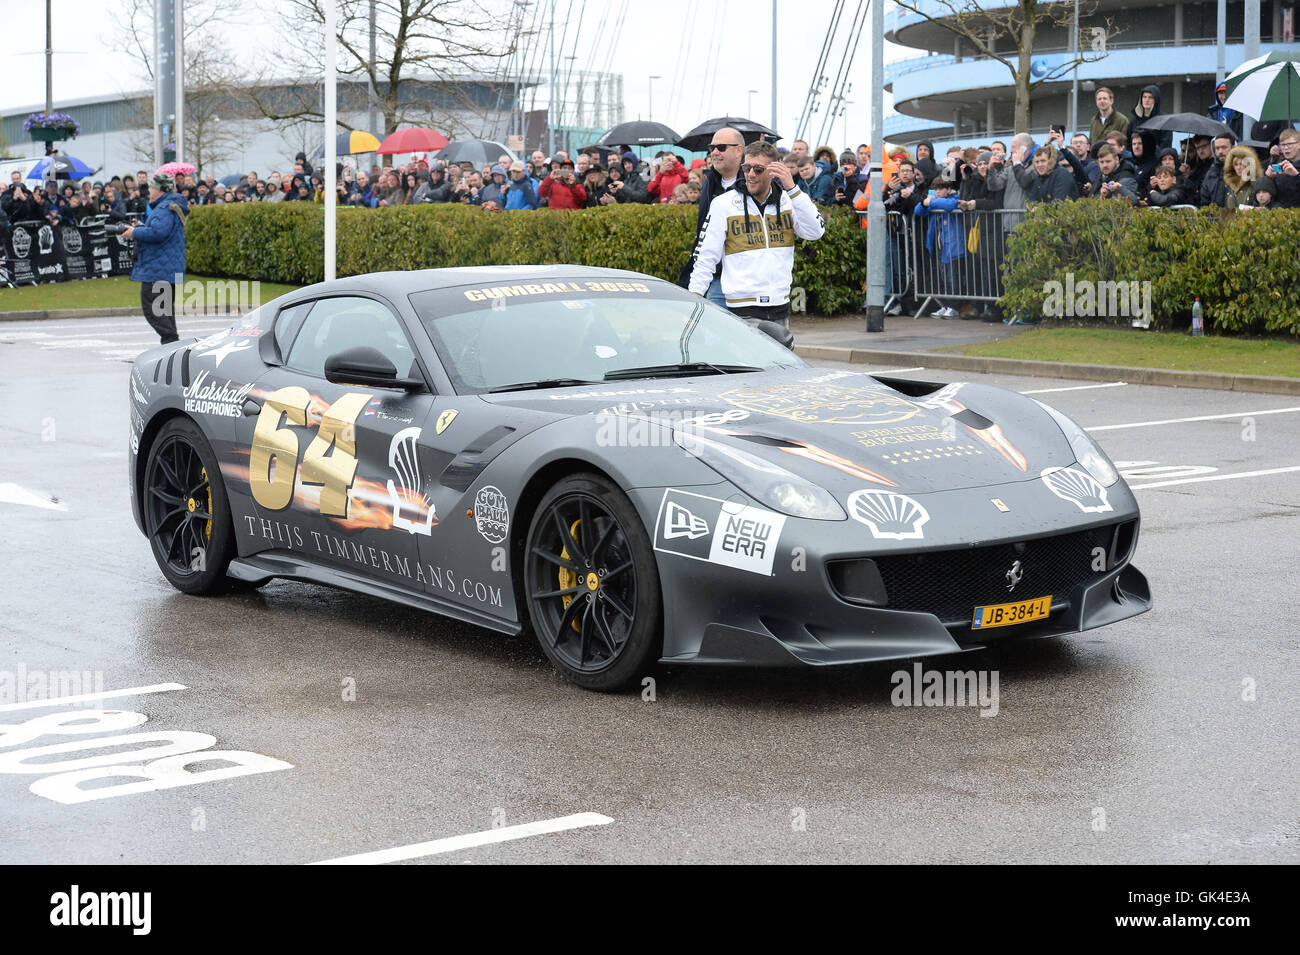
(160, 255)
(561, 189)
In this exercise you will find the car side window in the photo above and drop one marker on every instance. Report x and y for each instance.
(286, 324)
(342, 322)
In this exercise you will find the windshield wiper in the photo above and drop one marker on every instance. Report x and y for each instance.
(544, 383)
(684, 368)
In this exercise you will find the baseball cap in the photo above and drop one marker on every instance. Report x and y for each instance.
(517, 166)
(567, 162)
(163, 181)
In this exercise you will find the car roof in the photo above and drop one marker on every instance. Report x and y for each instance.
(423, 280)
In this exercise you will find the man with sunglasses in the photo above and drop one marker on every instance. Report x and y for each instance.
(726, 152)
(751, 230)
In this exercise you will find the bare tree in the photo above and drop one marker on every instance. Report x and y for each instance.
(1018, 26)
(446, 50)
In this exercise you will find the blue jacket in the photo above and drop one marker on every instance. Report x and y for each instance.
(947, 225)
(521, 194)
(819, 189)
(160, 242)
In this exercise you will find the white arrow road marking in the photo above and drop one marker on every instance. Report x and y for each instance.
(11, 493)
(487, 837)
(91, 697)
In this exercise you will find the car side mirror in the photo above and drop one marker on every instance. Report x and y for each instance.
(777, 332)
(363, 365)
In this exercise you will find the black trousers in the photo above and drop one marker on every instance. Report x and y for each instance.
(158, 300)
(764, 313)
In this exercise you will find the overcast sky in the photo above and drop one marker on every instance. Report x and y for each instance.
(675, 39)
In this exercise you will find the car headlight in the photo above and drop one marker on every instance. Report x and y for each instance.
(1086, 450)
(771, 484)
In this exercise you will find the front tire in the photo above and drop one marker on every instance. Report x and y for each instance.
(592, 585)
(186, 511)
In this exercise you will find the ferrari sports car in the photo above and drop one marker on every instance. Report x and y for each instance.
(624, 470)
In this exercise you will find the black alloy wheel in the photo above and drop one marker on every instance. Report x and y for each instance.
(591, 583)
(186, 514)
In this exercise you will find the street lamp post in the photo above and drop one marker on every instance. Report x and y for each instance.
(650, 97)
(751, 103)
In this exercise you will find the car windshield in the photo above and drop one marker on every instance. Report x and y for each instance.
(582, 334)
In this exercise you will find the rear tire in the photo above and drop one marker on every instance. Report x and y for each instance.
(592, 585)
(186, 511)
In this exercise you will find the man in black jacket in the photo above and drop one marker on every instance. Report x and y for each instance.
(726, 152)
(1213, 192)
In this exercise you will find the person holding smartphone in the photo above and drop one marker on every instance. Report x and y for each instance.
(561, 190)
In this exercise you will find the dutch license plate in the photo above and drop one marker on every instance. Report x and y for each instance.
(1005, 615)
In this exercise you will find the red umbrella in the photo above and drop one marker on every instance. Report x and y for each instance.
(413, 140)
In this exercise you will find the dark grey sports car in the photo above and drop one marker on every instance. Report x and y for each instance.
(628, 471)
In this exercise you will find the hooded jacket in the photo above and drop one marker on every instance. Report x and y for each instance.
(1004, 178)
(1221, 114)
(819, 189)
(754, 241)
(1239, 191)
(160, 242)
(945, 227)
(927, 167)
(1164, 137)
(519, 194)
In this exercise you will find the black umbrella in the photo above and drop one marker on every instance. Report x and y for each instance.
(1194, 123)
(480, 152)
(639, 133)
(698, 139)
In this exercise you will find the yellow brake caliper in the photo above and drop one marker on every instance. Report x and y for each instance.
(207, 531)
(569, 578)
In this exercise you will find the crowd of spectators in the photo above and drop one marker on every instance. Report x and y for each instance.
(1113, 161)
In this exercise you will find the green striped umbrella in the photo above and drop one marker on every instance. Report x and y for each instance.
(1267, 88)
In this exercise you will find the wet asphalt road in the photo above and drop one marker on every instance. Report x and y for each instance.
(1128, 744)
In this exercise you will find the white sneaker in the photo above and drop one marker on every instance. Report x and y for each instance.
(897, 309)
(945, 312)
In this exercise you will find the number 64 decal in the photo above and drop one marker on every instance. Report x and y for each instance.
(330, 461)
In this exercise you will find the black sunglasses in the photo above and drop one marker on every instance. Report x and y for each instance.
(720, 147)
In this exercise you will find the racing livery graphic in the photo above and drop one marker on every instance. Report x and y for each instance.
(624, 470)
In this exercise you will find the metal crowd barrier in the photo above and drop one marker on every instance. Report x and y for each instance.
(964, 266)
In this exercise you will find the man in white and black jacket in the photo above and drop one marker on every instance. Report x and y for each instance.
(751, 231)
(726, 153)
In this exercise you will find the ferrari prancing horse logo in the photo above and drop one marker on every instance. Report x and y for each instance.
(1014, 576)
(444, 420)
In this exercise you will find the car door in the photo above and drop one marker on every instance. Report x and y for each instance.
(335, 471)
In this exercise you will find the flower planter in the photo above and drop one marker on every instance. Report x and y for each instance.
(47, 134)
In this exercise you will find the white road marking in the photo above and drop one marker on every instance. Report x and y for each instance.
(11, 493)
(90, 697)
(1205, 417)
(1215, 477)
(118, 332)
(1048, 391)
(897, 371)
(487, 837)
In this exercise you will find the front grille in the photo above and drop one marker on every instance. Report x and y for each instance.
(951, 583)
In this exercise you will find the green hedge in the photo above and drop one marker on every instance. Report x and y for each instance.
(282, 243)
(1244, 266)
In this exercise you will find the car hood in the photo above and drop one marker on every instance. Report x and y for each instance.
(842, 430)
